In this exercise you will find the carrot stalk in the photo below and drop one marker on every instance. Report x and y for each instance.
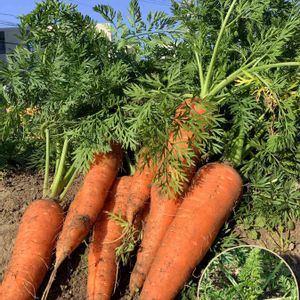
(86, 206)
(56, 186)
(68, 182)
(107, 236)
(47, 164)
(32, 251)
(212, 196)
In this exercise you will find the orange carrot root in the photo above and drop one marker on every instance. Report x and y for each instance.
(33, 249)
(212, 196)
(162, 212)
(107, 233)
(139, 191)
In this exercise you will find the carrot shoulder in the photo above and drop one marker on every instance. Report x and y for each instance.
(32, 251)
(86, 206)
(107, 233)
(212, 196)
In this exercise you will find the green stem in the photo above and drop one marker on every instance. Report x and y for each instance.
(277, 65)
(58, 153)
(238, 148)
(228, 276)
(69, 173)
(68, 184)
(251, 144)
(44, 55)
(238, 72)
(47, 163)
(59, 172)
(215, 51)
(200, 69)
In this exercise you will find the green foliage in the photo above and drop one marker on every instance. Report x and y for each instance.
(189, 291)
(152, 109)
(229, 47)
(227, 238)
(147, 39)
(247, 273)
(72, 76)
(258, 102)
(242, 34)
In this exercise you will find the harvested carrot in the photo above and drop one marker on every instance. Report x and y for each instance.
(86, 206)
(107, 236)
(162, 212)
(212, 196)
(32, 251)
(139, 191)
(163, 208)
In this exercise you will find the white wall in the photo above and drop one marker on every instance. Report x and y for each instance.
(11, 40)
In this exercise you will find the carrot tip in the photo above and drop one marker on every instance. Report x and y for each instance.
(51, 280)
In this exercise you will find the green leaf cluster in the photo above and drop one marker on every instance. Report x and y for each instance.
(247, 273)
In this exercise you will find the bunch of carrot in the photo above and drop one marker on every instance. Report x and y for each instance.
(43, 228)
(178, 232)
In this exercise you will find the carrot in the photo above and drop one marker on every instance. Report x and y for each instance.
(162, 212)
(32, 251)
(107, 236)
(86, 206)
(162, 208)
(212, 196)
(139, 191)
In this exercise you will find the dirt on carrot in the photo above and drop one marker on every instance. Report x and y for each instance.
(86, 206)
(18, 188)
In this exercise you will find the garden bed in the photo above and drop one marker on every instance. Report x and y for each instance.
(18, 189)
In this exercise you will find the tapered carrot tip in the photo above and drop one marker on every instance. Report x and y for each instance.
(212, 196)
(33, 249)
(136, 280)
